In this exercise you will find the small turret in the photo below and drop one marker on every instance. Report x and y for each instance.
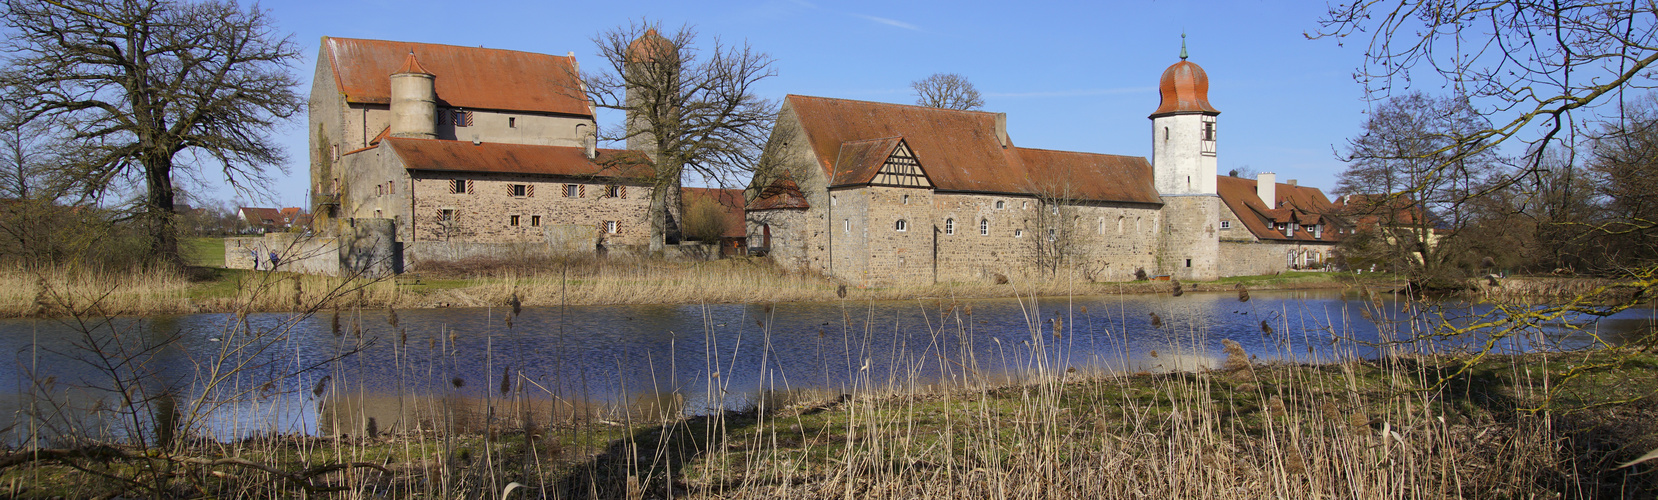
(413, 101)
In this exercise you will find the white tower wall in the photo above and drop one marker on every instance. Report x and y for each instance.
(1181, 162)
(413, 106)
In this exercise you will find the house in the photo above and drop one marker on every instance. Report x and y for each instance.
(1298, 230)
(467, 151)
(875, 193)
(273, 219)
(718, 208)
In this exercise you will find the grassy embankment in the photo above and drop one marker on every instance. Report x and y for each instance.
(1346, 430)
(207, 287)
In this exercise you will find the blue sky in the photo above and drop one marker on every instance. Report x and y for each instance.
(1071, 76)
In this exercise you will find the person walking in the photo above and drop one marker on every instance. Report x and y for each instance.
(273, 260)
(255, 253)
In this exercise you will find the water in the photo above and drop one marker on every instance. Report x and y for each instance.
(276, 371)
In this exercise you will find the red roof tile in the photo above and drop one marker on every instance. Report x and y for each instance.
(1300, 204)
(731, 199)
(958, 150)
(859, 161)
(1367, 210)
(780, 194)
(463, 156)
(467, 77)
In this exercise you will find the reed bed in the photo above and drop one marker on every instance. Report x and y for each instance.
(1414, 424)
(54, 291)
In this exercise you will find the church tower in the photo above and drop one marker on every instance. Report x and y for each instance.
(1184, 168)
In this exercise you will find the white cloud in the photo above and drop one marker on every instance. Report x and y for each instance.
(891, 22)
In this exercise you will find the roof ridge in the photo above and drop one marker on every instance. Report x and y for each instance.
(1078, 152)
(918, 107)
(332, 38)
(877, 139)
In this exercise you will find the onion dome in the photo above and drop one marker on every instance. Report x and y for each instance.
(411, 66)
(1184, 88)
(648, 46)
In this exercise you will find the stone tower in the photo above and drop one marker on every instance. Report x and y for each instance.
(1184, 167)
(413, 101)
(652, 66)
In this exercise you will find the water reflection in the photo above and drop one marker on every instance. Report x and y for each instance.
(287, 373)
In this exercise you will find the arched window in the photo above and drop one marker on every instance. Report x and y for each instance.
(1000, 204)
(1120, 224)
(949, 226)
(1137, 226)
(1018, 233)
(901, 226)
(906, 199)
(1165, 133)
(984, 227)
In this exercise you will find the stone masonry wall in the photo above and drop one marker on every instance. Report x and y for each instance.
(486, 210)
(1189, 246)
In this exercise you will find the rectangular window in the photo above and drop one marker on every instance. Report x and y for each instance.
(613, 191)
(518, 190)
(460, 118)
(457, 186)
(391, 187)
(535, 221)
(512, 220)
(611, 227)
(1226, 224)
(848, 224)
(512, 122)
(446, 215)
(572, 190)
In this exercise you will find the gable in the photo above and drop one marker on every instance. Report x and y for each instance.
(901, 169)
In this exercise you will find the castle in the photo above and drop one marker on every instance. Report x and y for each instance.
(458, 150)
(876, 194)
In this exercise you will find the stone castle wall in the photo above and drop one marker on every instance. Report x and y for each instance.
(484, 213)
(1189, 246)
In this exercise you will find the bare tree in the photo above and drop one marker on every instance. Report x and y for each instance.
(146, 88)
(27, 151)
(690, 110)
(947, 90)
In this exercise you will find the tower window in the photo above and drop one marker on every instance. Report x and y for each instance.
(901, 226)
(848, 224)
(1018, 233)
(512, 122)
(1226, 224)
(949, 226)
(906, 199)
(984, 227)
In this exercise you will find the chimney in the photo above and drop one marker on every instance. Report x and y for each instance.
(1001, 128)
(589, 146)
(1266, 187)
(1290, 182)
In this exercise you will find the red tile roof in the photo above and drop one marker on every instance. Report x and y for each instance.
(1367, 210)
(859, 161)
(731, 199)
(467, 77)
(1090, 176)
(1300, 204)
(1184, 88)
(959, 150)
(464, 156)
(780, 194)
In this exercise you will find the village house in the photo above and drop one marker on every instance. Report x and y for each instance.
(877, 193)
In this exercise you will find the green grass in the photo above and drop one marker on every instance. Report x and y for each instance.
(203, 251)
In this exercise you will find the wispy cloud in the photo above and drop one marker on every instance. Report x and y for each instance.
(1070, 93)
(891, 22)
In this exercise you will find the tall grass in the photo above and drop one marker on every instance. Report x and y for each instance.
(938, 422)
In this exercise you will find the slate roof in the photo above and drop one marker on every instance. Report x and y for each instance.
(731, 199)
(1303, 205)
(464, 156)
(466, 77)
(959, 151)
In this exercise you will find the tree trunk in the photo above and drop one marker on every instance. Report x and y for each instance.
(158, 208)
(659, 216)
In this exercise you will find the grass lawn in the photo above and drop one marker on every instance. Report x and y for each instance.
(203, 251)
